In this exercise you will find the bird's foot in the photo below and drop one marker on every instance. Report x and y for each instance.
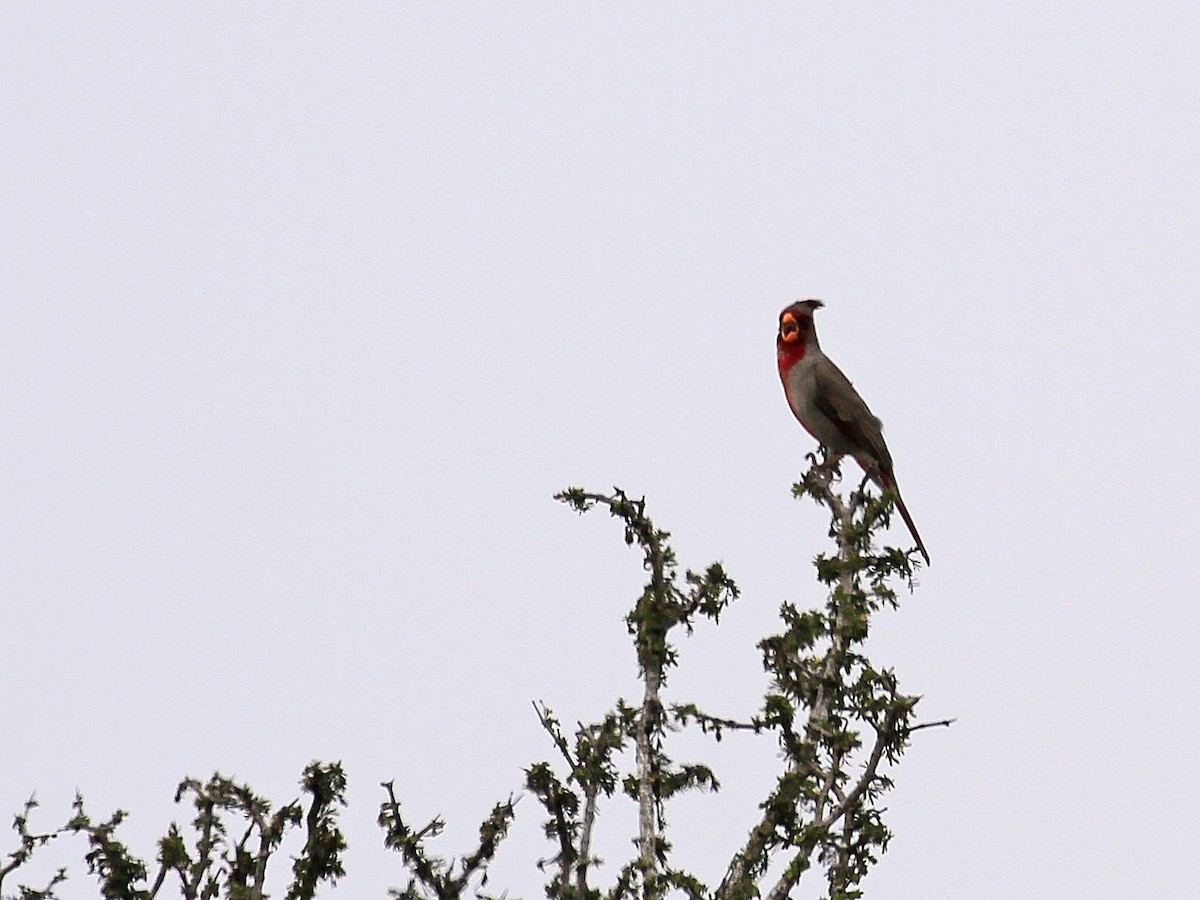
(827, 471)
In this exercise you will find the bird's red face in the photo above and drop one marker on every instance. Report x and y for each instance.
(795, 326)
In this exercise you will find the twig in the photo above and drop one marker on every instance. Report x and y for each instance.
(883, 736)
(940, 723)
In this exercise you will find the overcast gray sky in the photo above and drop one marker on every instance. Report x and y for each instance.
(308, 310)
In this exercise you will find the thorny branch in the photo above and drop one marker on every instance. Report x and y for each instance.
(663, 605)
(218, 867)
(435, 877)
(28, 842)
(825, 696)
(816, 804)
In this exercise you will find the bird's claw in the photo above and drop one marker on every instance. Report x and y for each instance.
(829, 468)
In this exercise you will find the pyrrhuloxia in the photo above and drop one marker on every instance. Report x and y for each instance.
(828, 406)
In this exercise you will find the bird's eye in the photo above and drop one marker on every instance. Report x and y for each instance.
(789, 328)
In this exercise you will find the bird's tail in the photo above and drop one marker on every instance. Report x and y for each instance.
(888, 481)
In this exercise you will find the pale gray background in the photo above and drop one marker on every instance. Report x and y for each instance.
(308, 310)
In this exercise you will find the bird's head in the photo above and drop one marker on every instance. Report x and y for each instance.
(796, 326)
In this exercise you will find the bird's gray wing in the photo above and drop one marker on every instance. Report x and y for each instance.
(837, 399)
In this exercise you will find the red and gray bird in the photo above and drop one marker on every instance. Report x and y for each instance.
(828, 406)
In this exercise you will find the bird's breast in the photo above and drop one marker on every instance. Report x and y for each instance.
(799, 383)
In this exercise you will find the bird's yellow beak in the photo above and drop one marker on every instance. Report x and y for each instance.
(789, 328)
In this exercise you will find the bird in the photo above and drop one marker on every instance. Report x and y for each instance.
(825, 402)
